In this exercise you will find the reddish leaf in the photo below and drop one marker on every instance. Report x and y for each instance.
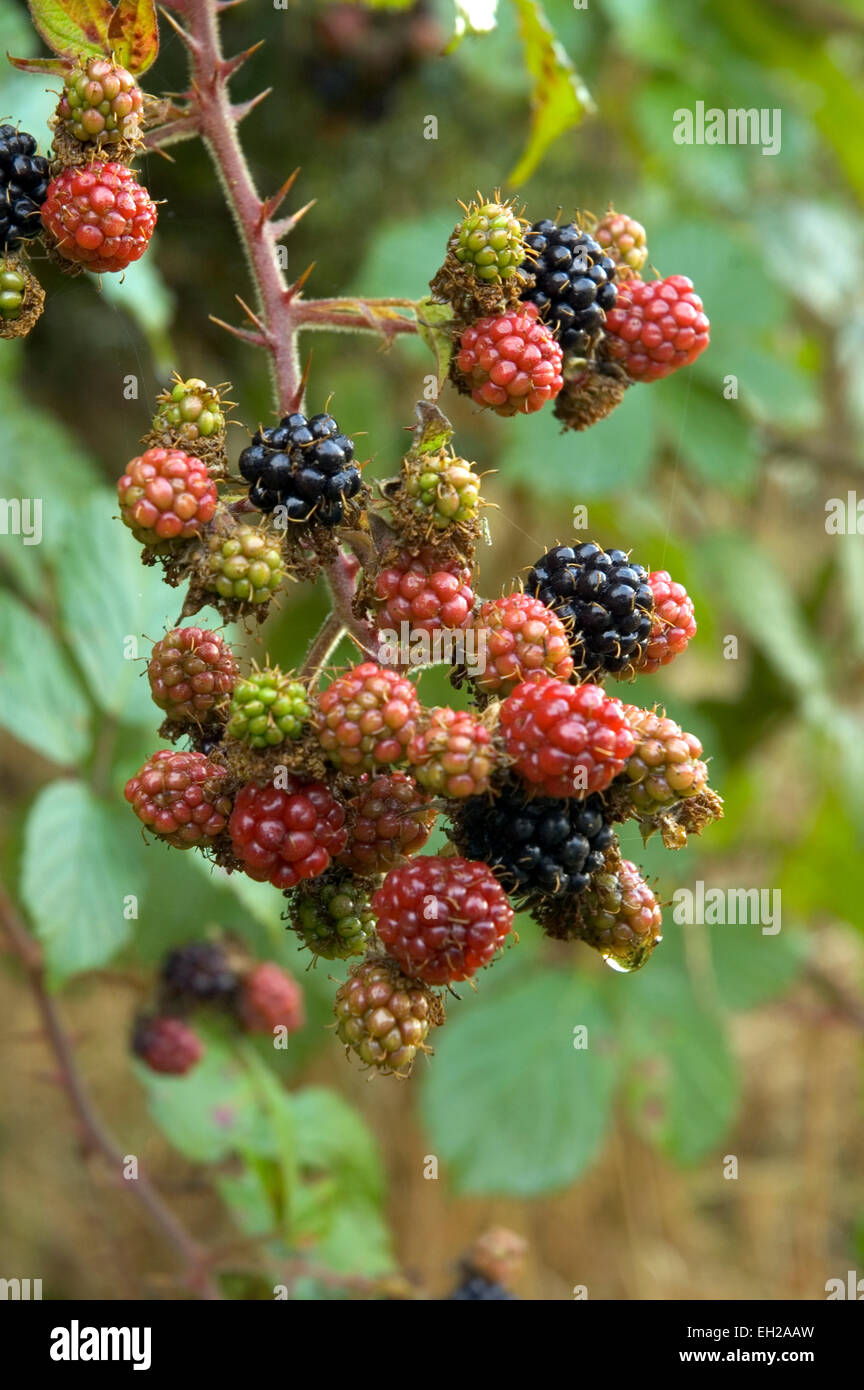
(134, 34)
(73, 27)
(57, 66)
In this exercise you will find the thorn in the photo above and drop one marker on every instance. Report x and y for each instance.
(227, 4)
(242, 110)
(229, 66)
(253, 317)
(271, 205)
(190, 42)
(244, 334)
(297, 399)
(293, 290)
(287, 224)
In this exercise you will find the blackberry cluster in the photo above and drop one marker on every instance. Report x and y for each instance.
(537, 847)
(603, 599)
(197, 973)
(305, 465)
(574, 283)
(24, 177)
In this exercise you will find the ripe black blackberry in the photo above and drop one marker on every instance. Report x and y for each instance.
(24, 178)
(574, 284)
(537, 847)
(603, 599)
(304, 465)
(197, 973)
(477, 1289)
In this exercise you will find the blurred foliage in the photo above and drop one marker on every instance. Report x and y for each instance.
(721, 475)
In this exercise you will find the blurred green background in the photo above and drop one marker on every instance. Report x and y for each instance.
(731, 1042)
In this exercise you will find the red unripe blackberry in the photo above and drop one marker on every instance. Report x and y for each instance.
(657, 327)
(179, 797)
(197, 973)
(385, 1017)
(565, 740)
(424, 592)
(520, 636)
(665, 765)
(621, 917)
(442, 919)
(166, 495)
(270, 998)
(388, 820)
(167, 1045)
(191, 673)
(285, 834)
(98, 216)
(673, 625)
(511, 362)
(366, 718)
(453, 754)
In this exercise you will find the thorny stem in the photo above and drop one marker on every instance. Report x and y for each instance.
(281, 310)
(95, 1135)
(197, 1260)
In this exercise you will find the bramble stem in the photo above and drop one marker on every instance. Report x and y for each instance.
(94, 1133)
(281, 310)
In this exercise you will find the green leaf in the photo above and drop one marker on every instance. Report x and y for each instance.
(214, 1110)
(684, 1084)
(142, 293)
(108, 597)
(710, 432)
(433, 322)
(56, 67)
(775, 623)
(134, 34)
(81, 862)
(332, 1135)
(73, 28)
(613, 456)
(41, 701)
(560, 98)
(511, 1105)
(751, 968)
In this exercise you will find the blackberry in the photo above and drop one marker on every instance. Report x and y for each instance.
(574, 284)
(475, 1288)
(304, 465)
(603, 599)
(537, 847)
(24, 178)
(197, 973)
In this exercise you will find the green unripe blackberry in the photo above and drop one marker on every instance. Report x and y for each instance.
(245, 564)
(267, 707)
(188, 411)
(336, 920)
(101, 102)
(446, 492)
(12, 287)
(489, 240)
